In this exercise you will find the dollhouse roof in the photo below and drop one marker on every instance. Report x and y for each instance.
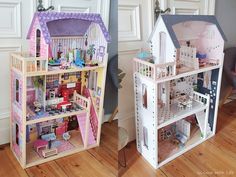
(61, 24)
(171, 20)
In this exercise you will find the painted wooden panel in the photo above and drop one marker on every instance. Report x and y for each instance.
(11, 26)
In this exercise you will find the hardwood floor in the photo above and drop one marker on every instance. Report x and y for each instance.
(215, 157)
(97, 162)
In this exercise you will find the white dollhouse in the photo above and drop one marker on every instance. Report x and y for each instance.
(177, 88)
(57, 89)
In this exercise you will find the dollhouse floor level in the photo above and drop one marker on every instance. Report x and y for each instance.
(167, 149)
(189, 73)
(55, 117)
(70, 146)
(61, 71)
(170, 115)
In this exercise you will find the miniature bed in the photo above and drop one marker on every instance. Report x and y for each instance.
(57, 88)
(177, 86)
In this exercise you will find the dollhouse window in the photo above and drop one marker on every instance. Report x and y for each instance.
(92, 80)
(17, 134)
(162, 52)
(144, 95)
(145, 137)
(17, 90)
(38, 41)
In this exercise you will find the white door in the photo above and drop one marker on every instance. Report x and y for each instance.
(134, 26)
(15, 18)
(136, 19)
(189, 7)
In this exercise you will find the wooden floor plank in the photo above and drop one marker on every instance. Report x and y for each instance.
(107, 153)
(9, 166)
(140, 168)
(211, 160)
(84, 165)
(47, 169)
(182, 167)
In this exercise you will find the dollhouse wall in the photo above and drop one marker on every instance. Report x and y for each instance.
(211, 43)
(43, 45)
(146, 119)
(202, 35)
(169, 49)
(66, 45)
(16, 114)
(182, 85)
(96, 37)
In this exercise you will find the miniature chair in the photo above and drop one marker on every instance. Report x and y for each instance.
(228, 85)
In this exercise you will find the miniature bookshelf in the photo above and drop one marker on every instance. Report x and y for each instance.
(57, 88)
(177, 86)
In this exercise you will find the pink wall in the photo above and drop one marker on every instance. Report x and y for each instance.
(44, 46)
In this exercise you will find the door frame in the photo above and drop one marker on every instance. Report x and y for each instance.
(210, 4)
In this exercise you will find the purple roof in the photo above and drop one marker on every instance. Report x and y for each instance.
(54, 24)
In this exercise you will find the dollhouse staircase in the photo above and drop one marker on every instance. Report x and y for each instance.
(93, 113)
(201, 121)
(93, 125)
(82, 125)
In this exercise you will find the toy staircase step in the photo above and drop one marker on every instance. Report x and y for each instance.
(93, 113)
(82, 125)
(201, 120)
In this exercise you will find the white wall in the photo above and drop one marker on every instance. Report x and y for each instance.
(156, 43)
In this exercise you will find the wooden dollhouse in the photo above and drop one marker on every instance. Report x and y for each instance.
(57, 89)
(177, 87)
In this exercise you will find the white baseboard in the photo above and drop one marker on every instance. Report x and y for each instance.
(106, 118)
(127, 121)
(4, 131)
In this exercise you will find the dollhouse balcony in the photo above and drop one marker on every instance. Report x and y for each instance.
(24, 63)
(180, 109)
(168, 71)
(154, 71)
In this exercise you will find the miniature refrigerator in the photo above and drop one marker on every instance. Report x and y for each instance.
(177, 86)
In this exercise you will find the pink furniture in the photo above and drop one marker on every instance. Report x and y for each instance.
(38, 144)
(61, 129)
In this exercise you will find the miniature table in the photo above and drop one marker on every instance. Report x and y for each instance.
(40, 144)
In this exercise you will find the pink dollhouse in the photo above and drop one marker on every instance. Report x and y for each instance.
(58, 87)
(177, 88)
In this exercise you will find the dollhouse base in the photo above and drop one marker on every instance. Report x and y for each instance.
(75, 142)
(168, 148)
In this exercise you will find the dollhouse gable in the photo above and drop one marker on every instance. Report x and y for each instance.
(160, 38)
(46, 26)
(196, 36)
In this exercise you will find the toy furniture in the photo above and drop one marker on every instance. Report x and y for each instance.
(177, 88)
(49, 152)
(57, 88)
(38, 144)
